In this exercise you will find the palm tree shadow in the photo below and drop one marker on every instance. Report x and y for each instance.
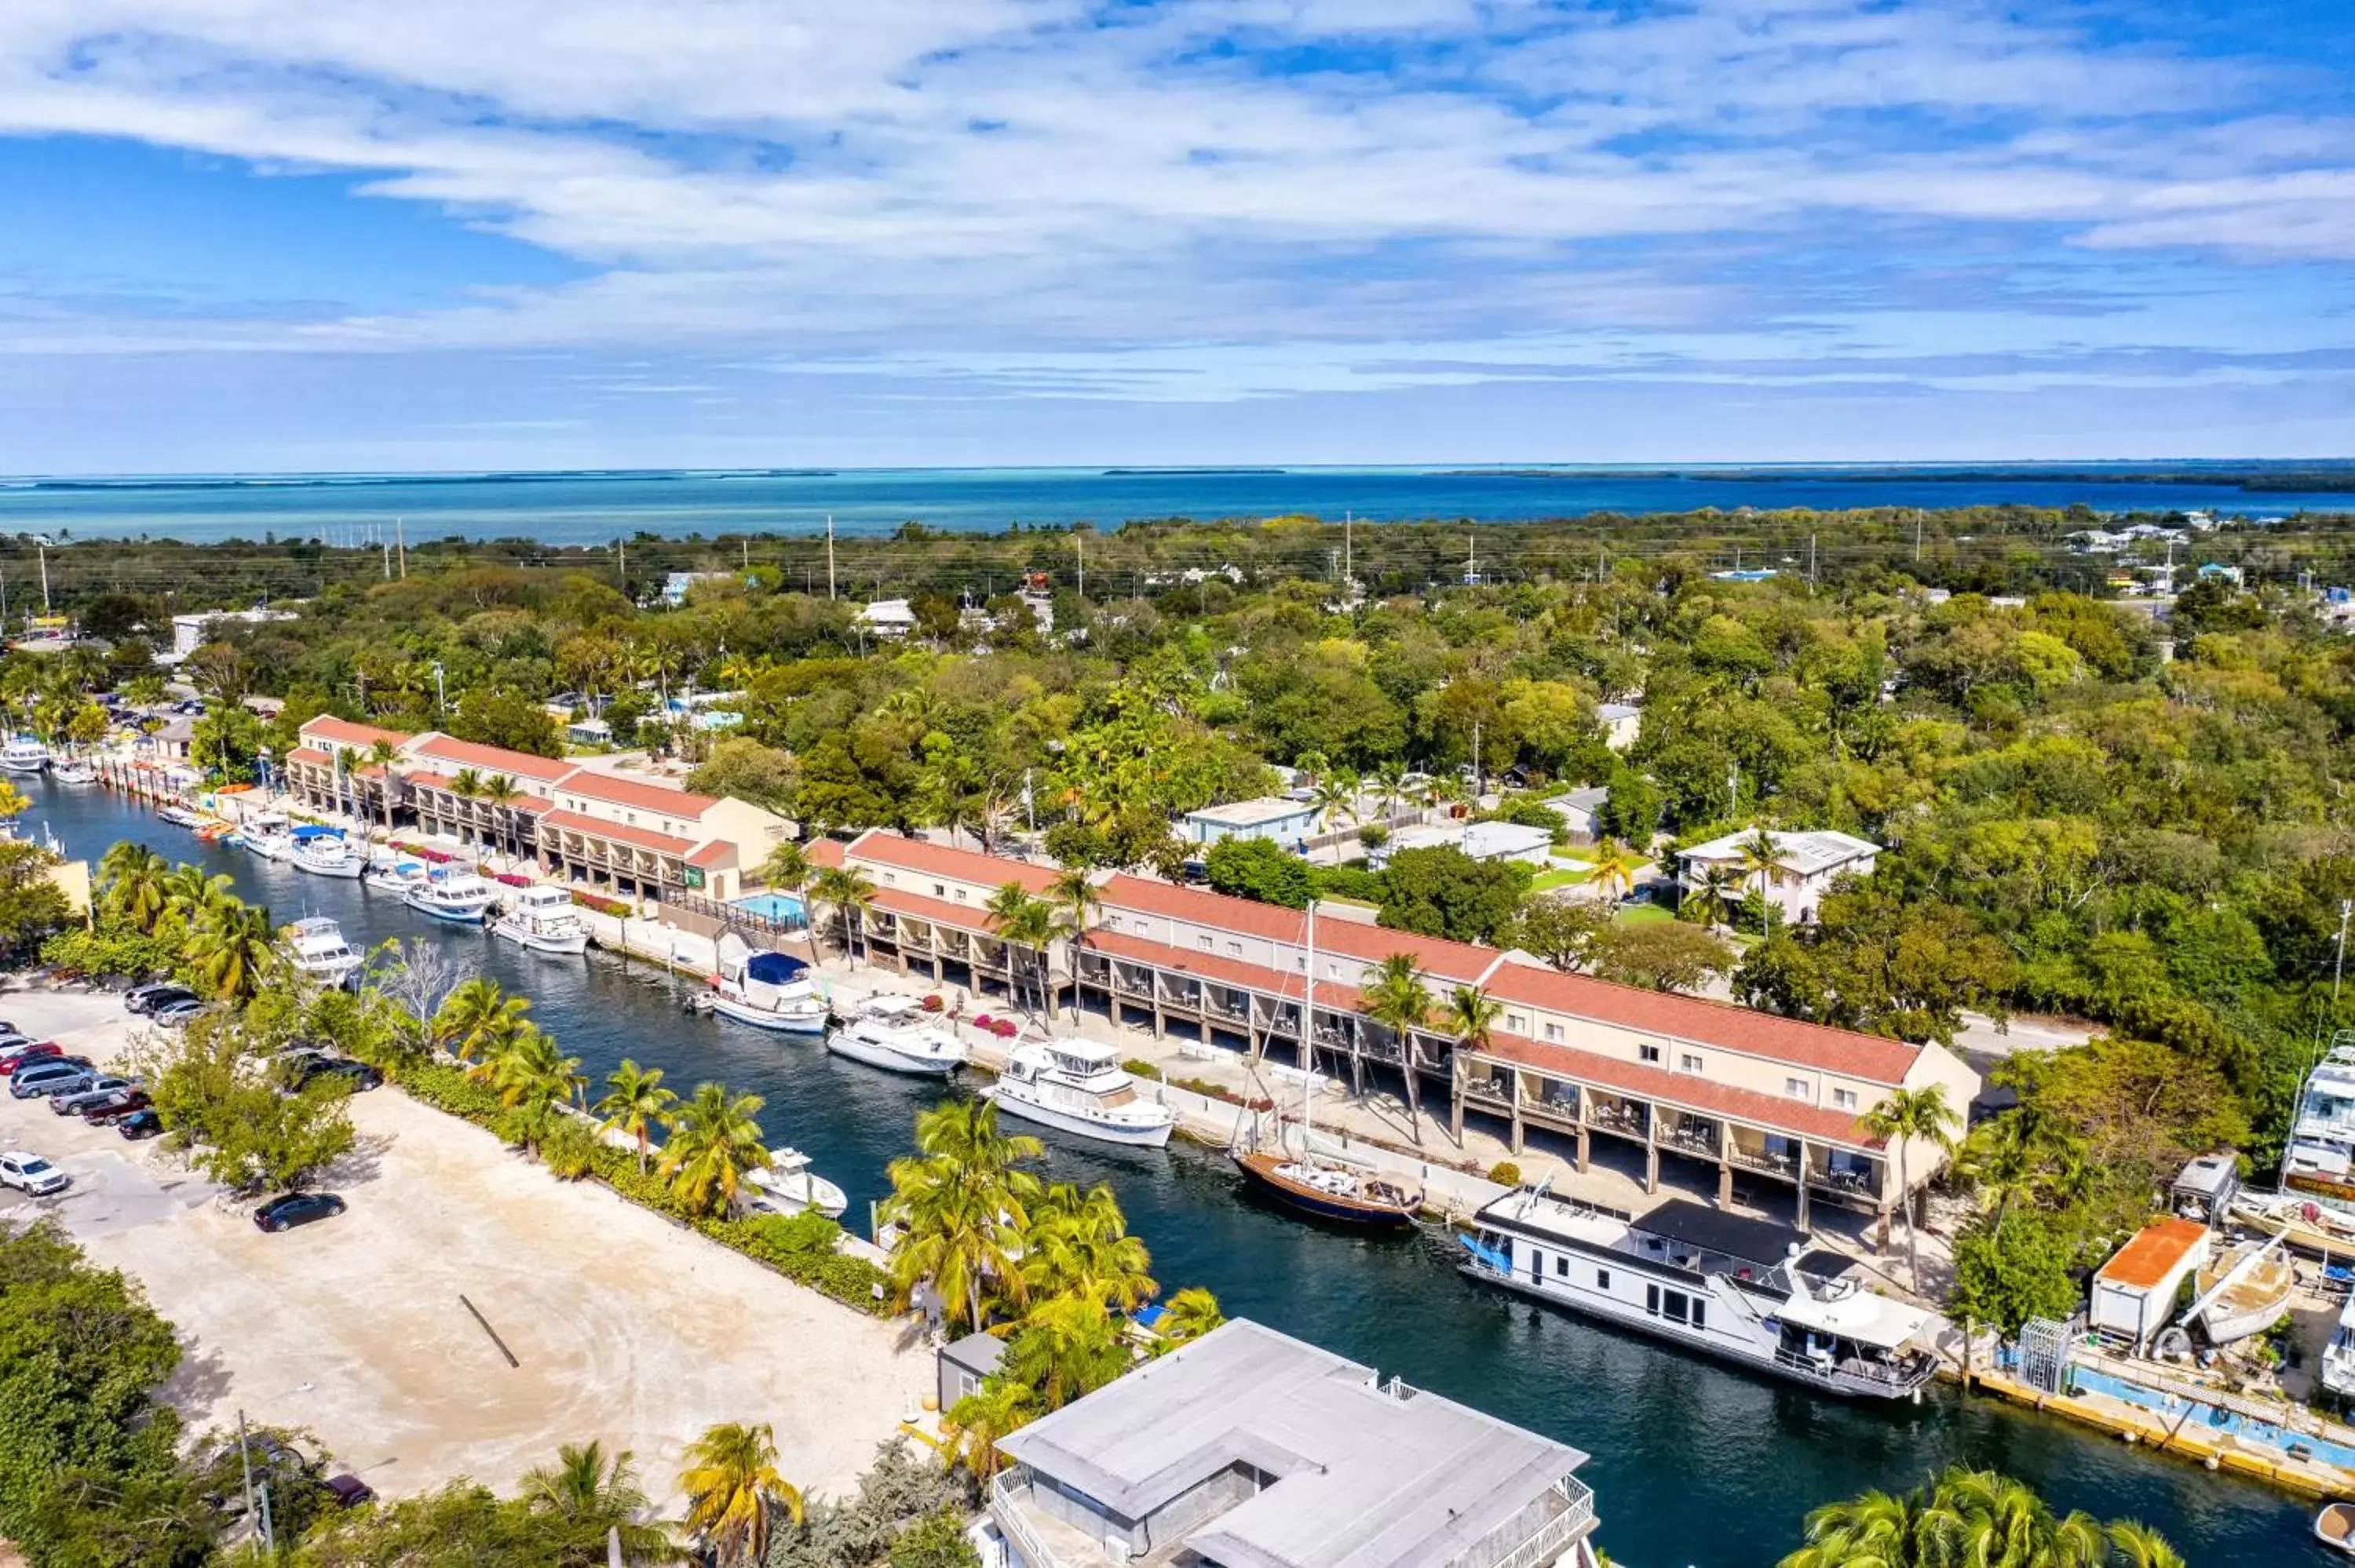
(359, 1164)
(198, 1386)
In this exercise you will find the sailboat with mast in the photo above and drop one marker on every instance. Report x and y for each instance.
(1332, 1188)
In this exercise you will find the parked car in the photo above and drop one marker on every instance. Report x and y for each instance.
(15, 1056)
(140, 1124)
(350, 1490)
(30, 1174)
(297, 1209)
(175, 1015)
(114, 1107)
(10, 1035)
(47, 1078)
(155, 994)
(74, 1102)
(361, 1075)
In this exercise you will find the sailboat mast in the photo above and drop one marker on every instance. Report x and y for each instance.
(1308, 1033)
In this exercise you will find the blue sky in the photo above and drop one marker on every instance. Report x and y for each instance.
(275, 234)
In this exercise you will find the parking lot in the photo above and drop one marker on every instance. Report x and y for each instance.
(625, 1328)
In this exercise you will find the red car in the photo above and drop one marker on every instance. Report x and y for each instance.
(114, 1107)
(12, 1060)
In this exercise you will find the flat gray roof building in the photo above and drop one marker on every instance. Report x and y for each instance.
(1249, 1449)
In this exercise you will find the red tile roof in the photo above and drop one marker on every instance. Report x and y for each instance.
(598, 828)
(825, 854)
(1687, 1090)
(344, 732)
(2157, 1251)
(1460, 963)
(312, 754)
(1244, 917)
(645, 796)
(531, 805)
(492, 758)
(1330, 994)
(1718, 1023)
(882, 848)
(717, 852)
(940, 911)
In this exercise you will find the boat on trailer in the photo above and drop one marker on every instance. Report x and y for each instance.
(1748, 1291)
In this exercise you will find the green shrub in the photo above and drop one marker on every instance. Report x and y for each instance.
(850, 1280)
(1504, 1173)
(1137, 1066)
(569, 1149)
(447, 1089)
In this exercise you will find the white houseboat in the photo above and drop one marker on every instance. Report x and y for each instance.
(317, 946)
(1746, 1290)
(2316, 1165)
(325, 851)
(895, 1033)
(1079, 1086)
(544, 919)
(458, 897)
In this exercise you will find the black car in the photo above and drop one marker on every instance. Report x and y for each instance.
(154, 998)
(361, 1075)
(140, 1124)
(297, 1209)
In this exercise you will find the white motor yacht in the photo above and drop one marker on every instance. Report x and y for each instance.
(544, 919)
(325, 851)
(1747, 1290)
(767, 990)
(2319, 1165)
(317, 945)
(2339, 1356)
(895, 1033)
(269, 835)
(788, 1186)
(397, 876)
(1079, 1086)
(24, 755)
(75, 771)
(459, 896)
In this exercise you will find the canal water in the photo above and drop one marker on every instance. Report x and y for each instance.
(1694, 1465)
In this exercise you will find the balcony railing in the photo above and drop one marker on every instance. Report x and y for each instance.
(1762, 1159)
(1541, 1545)
(1009, 1506)
(1847, 1183)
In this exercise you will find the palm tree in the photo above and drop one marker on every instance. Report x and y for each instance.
(731, 1483)
(788, 870)
(1390, 782)
(500, 792)
(382, 754)
(713, 1143)
(847, 892)
(636, 1103)
(479, 1016)
(2143, 1547)
(595, 1500)
(1711, 890)
(964, 1201)
(974, 1425)
(1076, 902)
(1874, 1530)
(1760, 858)
(137, 881)
(1027, 923)
(1187, 1316)
(1077, 1243)
(189, 896)
(14, 802)
(1335, 794)
(467, 785)
(1069, 1348)
(1613, 869)
(1982, 1517)
(232, 946)
(1395, 999)
(1904, 1118)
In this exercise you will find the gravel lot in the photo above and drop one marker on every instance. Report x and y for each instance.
(627, 1329)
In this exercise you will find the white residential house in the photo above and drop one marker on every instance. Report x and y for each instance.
(1286, 822)
(1806, 865)
(888, 618)
(1621, 723)
(1579, 809)
(677, 585)
(190, 632)
(1481, 841)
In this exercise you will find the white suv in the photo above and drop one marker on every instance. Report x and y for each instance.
(31, 1172)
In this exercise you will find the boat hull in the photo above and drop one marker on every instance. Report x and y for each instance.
(457, 915)
(342, 870)
(1154, 1136)
(812, 1023)
(569, 944)
(269, 851)
(842, 1043)
(14, 764)
(1333, 1207)
(2334, 1527)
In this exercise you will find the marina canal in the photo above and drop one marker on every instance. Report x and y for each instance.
(1695, 1465)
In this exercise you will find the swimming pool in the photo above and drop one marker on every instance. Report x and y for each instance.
(2210, 1418)
(783, 908)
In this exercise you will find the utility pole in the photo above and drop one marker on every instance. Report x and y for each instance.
(44, 579)
(400, 547)
(829, 554)
(1471, 560)
(621, 571)
(2338, 970)
(1733, 789)
(1917, 536)
(1079, 544)
(388, 562)
(747, 543)
(245, 1459)
(1349, 559)
(1479, 774)
(1811, 563)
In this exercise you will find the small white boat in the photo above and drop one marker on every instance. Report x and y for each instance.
(324, 852)
(178, 816)
(317, 946)
(2245, 1290)
(767, 990)
(459, 896)
(544, 919)
(24, 755)
(394, 875)
(788, 1186)
(269, 835)
(1080, 1086)
(74, 772)
(895, 1033)
(2334, 1527)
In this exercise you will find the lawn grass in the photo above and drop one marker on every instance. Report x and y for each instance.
(1569, 876)
(1641, 915)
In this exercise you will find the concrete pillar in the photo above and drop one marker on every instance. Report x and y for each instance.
(1724, 1184)
(1578, 1109)
(1160, 1022)
(1803, 1186)
(1520, 1139)
(1651, 1150)
(1455, 1094)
